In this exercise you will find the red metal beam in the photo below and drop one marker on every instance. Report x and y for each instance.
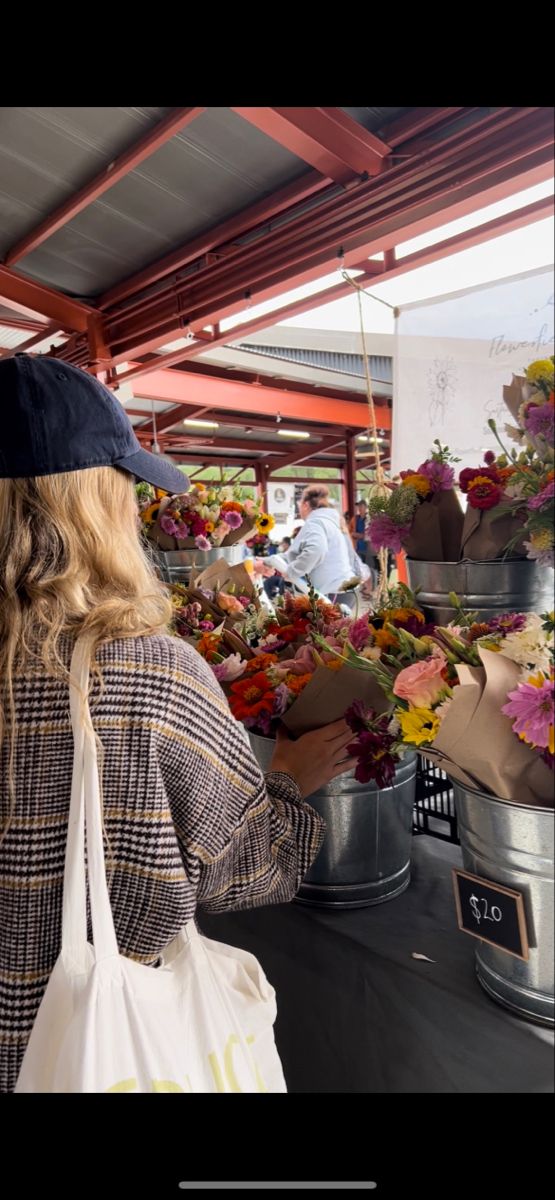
(300, 190)
(301, 454)
(305, 254)
(166, 420)
(327, 138)
(416, 121)
(147, 145)
(36, 298)
(46, 331)
(24, 324)
(181, 388)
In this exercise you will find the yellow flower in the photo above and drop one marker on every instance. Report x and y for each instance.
(264, 523)
(209, 527)
(418, 482)
(542, 539)
(150, 514)
(542, 368)
(418, 725)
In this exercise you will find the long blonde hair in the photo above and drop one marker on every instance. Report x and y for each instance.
(71, 562)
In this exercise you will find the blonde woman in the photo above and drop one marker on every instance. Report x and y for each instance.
(189, 820)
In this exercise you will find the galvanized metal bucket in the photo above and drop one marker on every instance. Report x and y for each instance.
(177, 566)
(365, 858)
(512, 844)
(490, 588)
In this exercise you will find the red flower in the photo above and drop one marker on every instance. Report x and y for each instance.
(285, 633)
(469, 473)
(252, 697)
(483, 492)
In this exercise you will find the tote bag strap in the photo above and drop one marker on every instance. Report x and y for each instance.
(85, 814)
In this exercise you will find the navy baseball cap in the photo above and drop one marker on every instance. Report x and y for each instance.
(57, 418)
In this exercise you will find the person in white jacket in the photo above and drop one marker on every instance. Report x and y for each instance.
(320, 551)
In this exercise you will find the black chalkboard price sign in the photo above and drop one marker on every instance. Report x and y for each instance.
(491, 912)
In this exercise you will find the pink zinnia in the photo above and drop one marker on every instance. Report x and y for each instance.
(168, 525)
(385, 534)
(532, 706)
(232, 518)
(359, 633)
(202, 543)
(543, 497)
(439, 474)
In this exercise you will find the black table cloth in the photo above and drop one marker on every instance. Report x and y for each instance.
(357, 1013)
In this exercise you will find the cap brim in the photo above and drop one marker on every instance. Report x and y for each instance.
(152, 469)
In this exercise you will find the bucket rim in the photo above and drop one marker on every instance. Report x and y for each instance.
(535, 808)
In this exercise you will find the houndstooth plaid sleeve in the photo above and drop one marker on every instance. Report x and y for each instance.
(243, 842)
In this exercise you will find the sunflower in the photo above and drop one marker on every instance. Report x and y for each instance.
(150, 515)
(264, 523)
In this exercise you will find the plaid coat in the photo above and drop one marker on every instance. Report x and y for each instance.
(189, 819)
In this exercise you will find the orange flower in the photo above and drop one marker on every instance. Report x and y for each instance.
(402, 614)
(335, 664)
(260, 662)
(251, 697)
(208, 646)
(296, 683)
(420, 483)
(384, 639)
(232, 506)
(505, 473)
(285, 633)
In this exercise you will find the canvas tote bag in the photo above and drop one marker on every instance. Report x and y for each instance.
(200, 1022)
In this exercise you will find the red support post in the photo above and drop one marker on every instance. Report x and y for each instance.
(350, 472)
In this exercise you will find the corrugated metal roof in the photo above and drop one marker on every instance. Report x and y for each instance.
(381, 367)
(214, 168)
(11, 338)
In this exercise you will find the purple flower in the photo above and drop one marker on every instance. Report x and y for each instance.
(540, 422)
(231, 668)
(232, 518)
(534, 711)
(439, 474)
(282, 699)
(202, 542)
(359, 717)
(508, 623)
(543, 497)
(375, 763)
(359, 633)
(206, 626)
(168, 525)
(181, 531)
(385, 534)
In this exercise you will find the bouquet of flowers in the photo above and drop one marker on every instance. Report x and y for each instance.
(421, 514)
(202, 518)
(527, 474)
(219, 600)
(510, 497)
(299, 667)
(478, 699)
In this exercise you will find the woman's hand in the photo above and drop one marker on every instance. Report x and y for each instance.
(262, 568)
(314, 758)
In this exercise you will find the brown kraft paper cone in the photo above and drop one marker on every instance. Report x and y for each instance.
(436, 529)
(489, 749)
(485, 537)
(328, 696)
(239, 535)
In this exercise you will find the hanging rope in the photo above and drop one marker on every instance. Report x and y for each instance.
(380, 487)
